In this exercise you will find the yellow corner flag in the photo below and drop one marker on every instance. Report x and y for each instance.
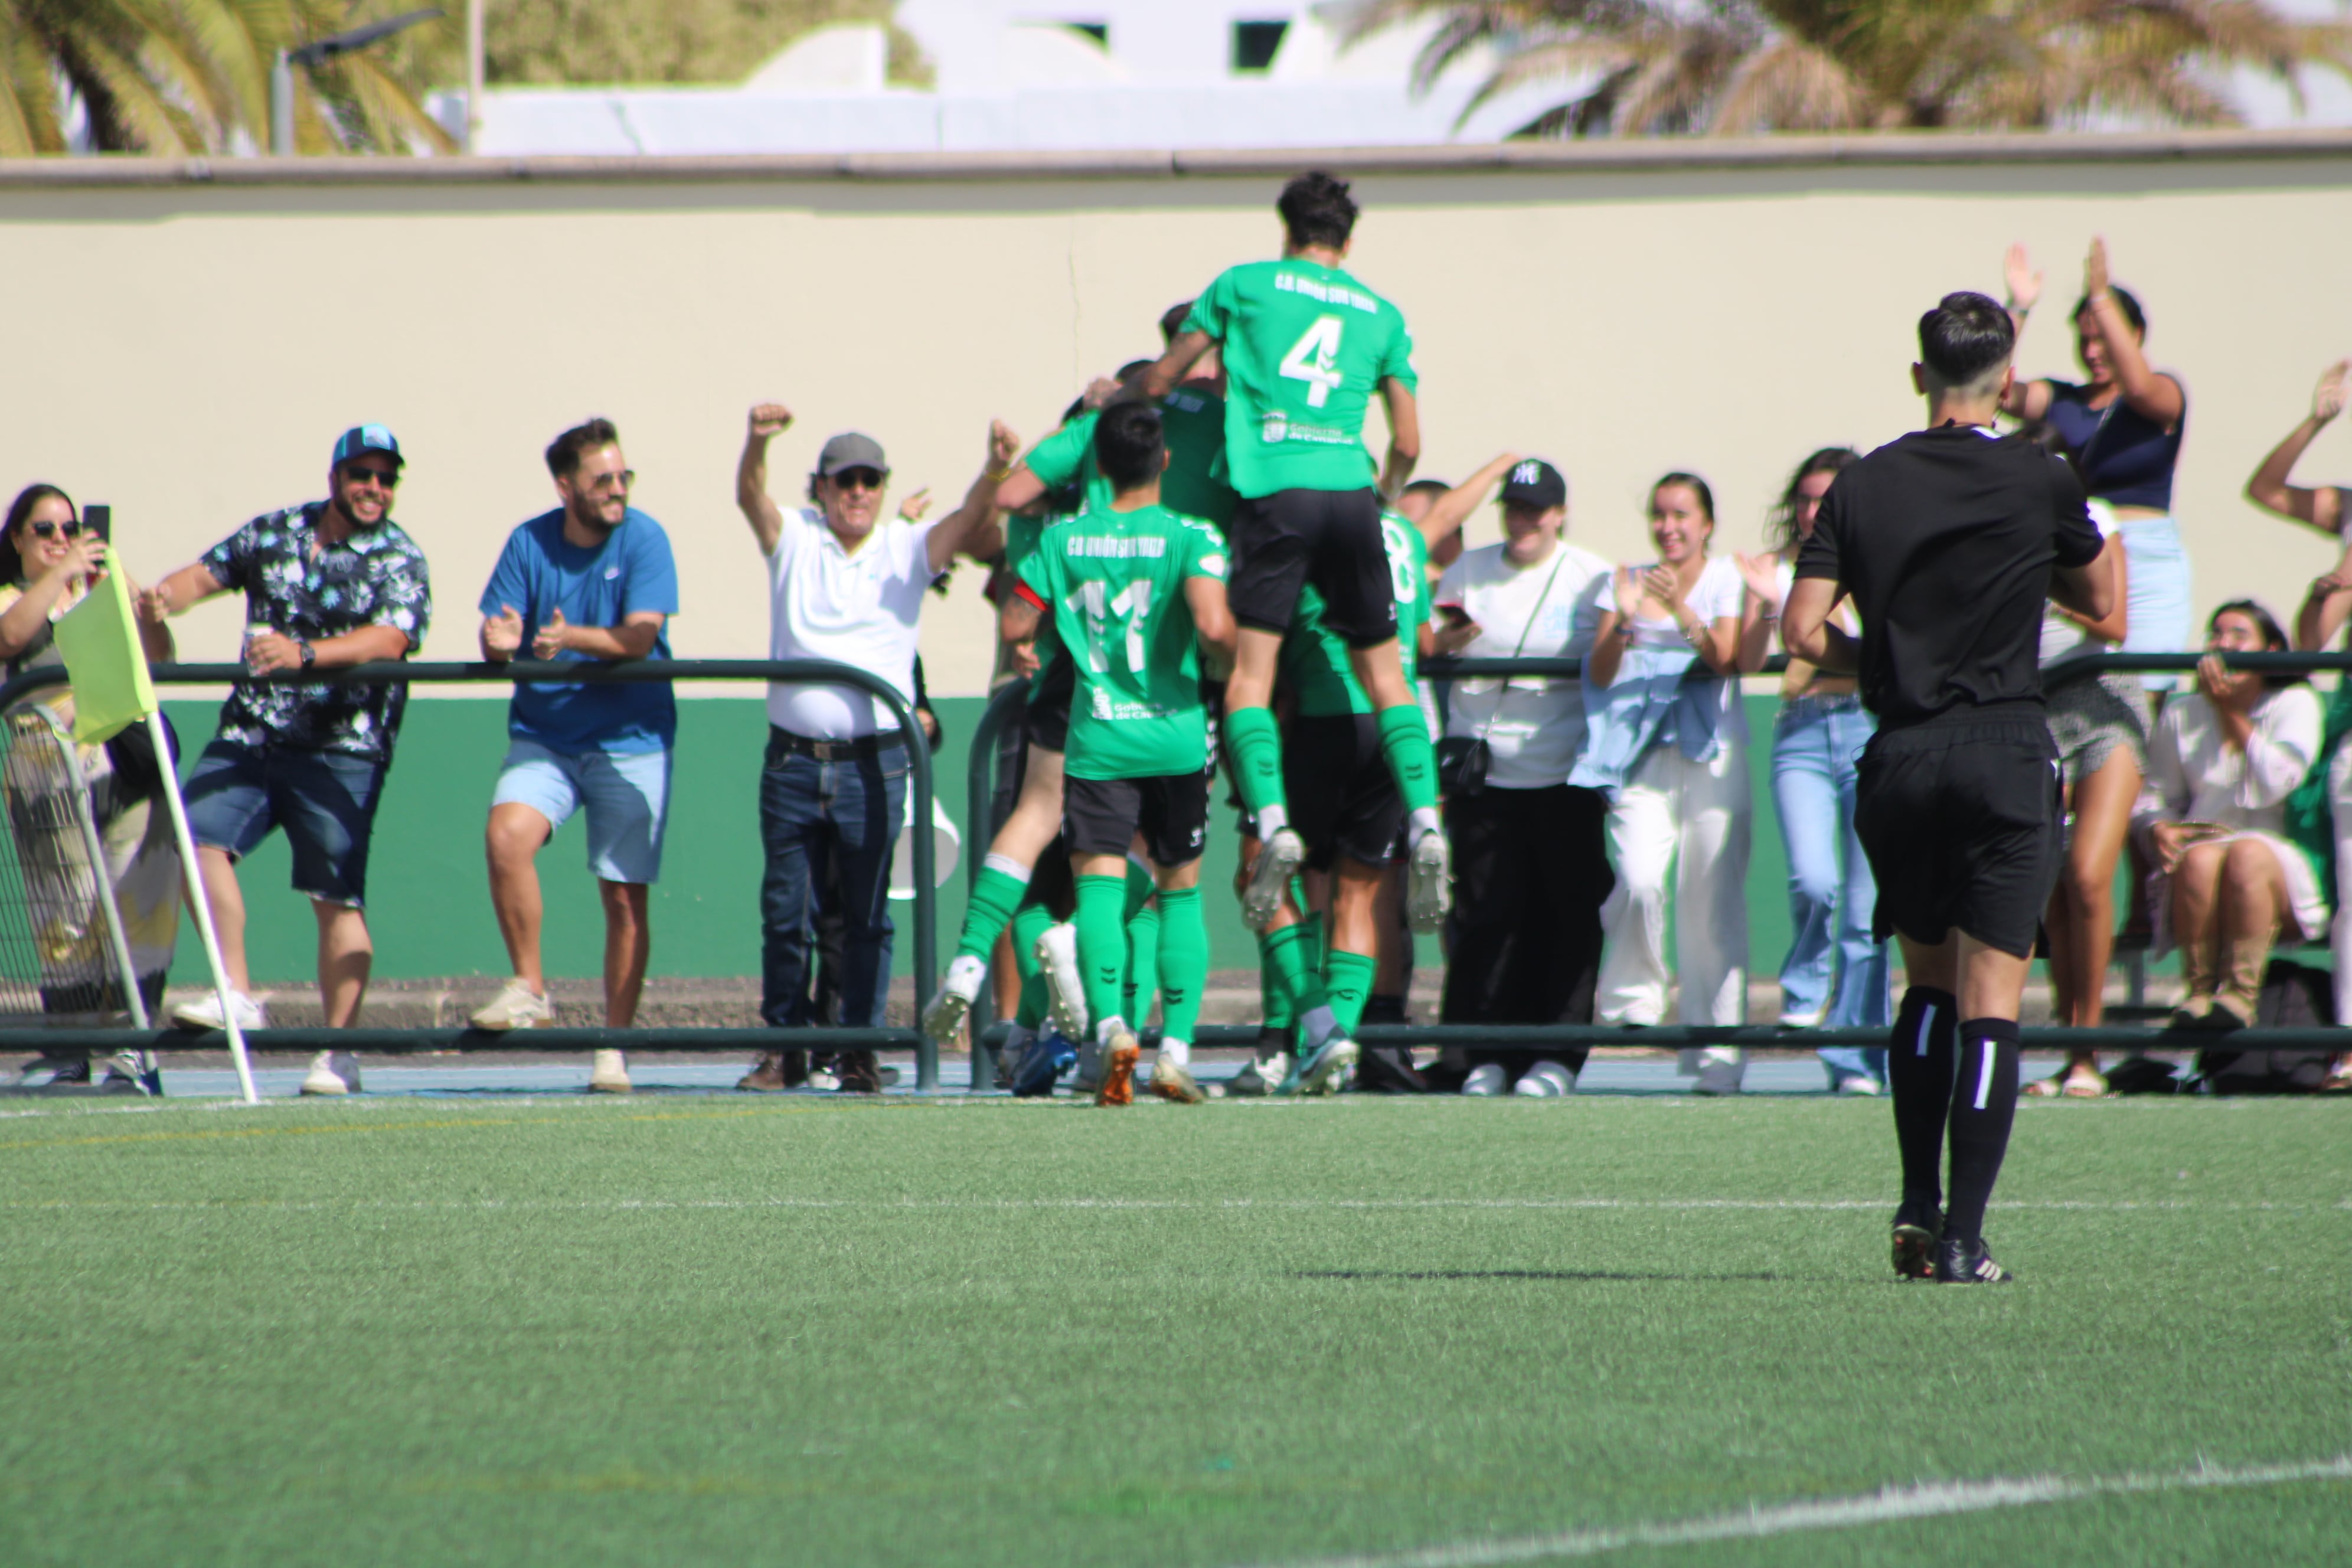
(99, 640)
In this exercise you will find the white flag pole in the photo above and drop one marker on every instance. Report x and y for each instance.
(204, 910)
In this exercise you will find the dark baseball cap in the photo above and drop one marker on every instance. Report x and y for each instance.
(362, 438)
(1535, 483)
(851, 450)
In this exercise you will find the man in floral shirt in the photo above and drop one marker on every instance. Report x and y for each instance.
(329, 584)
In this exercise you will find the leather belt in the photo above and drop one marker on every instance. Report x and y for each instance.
(834, 750)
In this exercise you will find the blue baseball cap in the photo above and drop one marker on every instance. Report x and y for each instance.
(362, 438)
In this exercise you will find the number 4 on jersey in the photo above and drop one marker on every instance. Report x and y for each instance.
(1315, 360)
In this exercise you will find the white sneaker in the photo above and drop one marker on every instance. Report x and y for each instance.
(1429, 887)
(1066, 987)
(1262, 1077)
(943, 1019)
(1486, 1079)
(1279, 860)
(1858, 1083)
(1545, 1081)
(518, 1006)
(610, 1075)
(332, 1072)
(205, 1012)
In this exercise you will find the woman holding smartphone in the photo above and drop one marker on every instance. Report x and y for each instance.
(2230, 882)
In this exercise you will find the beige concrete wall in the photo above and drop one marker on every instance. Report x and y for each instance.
(188, 351)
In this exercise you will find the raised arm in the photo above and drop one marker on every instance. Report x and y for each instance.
(2324, 607)
(1449, 512)
(2322, 508)
(1404, 434)
(1212, 618)
(767, 421)
(1169, 370)
(181, 591)
(2024, 399)
(969, 522)
(2151, 393)
(85, 557)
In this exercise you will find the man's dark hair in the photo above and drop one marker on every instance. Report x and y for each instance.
(1171, 320)
(1128, 445)
(2125, 301)
(564, 454)
(1425, 488)
(1316, 209)
(1965, 336)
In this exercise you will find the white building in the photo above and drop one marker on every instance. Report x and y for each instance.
(1030, 75)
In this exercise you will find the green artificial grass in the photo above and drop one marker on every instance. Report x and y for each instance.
(700, 1330)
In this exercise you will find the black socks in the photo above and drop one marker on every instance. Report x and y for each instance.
(1919, 1071)
(1984, 1104)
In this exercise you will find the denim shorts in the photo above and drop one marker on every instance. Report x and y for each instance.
(325, 801)
(626, 795)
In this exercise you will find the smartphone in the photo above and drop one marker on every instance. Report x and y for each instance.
(99, 518)
(1453, 614)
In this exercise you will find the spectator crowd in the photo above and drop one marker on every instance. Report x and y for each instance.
(1204, 572)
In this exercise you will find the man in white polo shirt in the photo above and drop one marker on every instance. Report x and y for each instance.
(844, 585)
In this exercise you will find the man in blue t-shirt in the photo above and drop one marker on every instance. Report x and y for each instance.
(591, 579)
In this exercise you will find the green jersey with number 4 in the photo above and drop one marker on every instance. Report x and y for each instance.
(1314, 667)
(1305, 347)
(1114, 582)
(1191, 422)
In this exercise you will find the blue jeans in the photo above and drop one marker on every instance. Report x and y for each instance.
(2158, 597)
(828, 826)
(1834, 967)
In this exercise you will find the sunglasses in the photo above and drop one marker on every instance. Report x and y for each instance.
(859, 478)
(47, 529)
(625, 480)
(387, 478)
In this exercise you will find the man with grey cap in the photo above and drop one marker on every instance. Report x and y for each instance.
(326, 584)
(845, 586)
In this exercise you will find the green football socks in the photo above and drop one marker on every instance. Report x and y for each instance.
(1183, 961)
(1102, 945)
(1348, 979)
(1404, 743)
(1255, 746)
(1029, 923)
(1292, 953)
(993, 899)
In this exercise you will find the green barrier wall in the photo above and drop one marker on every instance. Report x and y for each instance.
(429, 895)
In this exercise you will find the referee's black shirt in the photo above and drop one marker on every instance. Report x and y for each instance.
(1944, 539)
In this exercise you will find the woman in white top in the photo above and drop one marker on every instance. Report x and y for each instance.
(2213, 816)
(1680, 801)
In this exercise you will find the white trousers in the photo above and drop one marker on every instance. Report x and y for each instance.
(1690, 821)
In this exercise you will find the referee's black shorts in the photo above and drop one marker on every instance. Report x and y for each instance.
(1961, 819)
(1329, 538)
(1342, 791)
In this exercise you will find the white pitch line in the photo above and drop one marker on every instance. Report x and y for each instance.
(1930, 1500)
(606, 1206)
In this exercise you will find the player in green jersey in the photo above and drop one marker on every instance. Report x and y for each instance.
(1350, 814)
(1134, 591)
(1305, 346)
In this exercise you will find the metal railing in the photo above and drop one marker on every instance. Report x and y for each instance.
(390, 672)
(987, 1040)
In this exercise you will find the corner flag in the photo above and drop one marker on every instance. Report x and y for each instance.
(108, 665)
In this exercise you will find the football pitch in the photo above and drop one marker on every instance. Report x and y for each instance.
(1630, 1328)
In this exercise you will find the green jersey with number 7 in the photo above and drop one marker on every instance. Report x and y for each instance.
(1114, 582)
(1305, 347)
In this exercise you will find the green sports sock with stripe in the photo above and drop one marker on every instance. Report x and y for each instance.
(1102, 944)
(1273, 1001)
(1029, 923)
(1348, 980)
(1143, 947)
(1292, 953)
(1255, 743)
(994, 896)
(1183, 961)
(1404, 743)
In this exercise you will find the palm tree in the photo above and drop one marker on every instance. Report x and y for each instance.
(1732, 67)
(181, 77)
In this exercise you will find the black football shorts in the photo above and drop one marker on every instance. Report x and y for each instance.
(1329, 538)
(1343, 795)
(1102, 817)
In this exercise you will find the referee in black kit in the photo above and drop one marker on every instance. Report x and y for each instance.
(1950, 539)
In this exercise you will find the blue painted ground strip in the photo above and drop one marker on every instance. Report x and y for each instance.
(1775, 1077)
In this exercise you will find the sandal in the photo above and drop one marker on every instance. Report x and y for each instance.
(2090, 1085)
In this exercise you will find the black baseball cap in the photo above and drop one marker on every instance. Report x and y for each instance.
(851, 449)
(1535, 483)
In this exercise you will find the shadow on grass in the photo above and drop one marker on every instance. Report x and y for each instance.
(1570, 1276)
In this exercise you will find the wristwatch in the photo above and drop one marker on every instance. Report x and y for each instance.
(310, 654)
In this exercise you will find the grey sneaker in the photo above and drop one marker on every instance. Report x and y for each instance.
(1279, 860)
(54, 1072)
(517, 1006)
(1330, 1069)
(1088, 1077)
(131, 1072)
(1262, 1077)
(1545, 1081)
(1429, 887)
